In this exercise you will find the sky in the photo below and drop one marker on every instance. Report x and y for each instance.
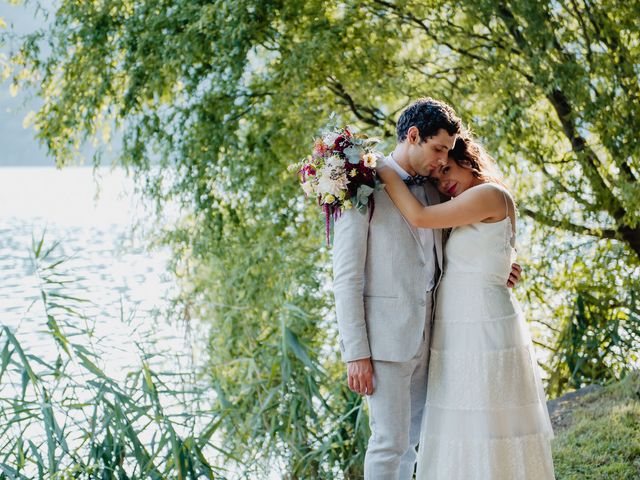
(19, 148)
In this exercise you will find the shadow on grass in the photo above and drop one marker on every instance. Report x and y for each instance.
(598, 434)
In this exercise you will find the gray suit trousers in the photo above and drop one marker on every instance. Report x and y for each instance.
(395, 412)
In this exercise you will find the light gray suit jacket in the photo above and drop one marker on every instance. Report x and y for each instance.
(380, 280)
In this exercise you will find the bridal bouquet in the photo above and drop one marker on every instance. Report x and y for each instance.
(340, 173)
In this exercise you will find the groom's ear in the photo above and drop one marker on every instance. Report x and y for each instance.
(413, 135)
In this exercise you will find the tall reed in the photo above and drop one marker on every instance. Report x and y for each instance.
(62, 416)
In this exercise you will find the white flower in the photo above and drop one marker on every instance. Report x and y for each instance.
(334, 161)
(341, 182)
(370, 160)
(332, 180)
(308, 188)
(329, 138)
(326, 185)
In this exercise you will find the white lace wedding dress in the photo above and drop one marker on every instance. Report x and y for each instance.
(486, 416)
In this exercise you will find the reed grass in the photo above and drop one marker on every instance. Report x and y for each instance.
(63, 416)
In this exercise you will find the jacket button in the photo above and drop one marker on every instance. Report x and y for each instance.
(423, 303)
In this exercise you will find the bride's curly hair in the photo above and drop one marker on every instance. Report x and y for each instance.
(469, 154)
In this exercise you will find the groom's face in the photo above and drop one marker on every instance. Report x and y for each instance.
(432, 153)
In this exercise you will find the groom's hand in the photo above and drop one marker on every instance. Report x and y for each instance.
(514, 277)
(360, 375)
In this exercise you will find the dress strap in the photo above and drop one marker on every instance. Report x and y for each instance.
(513, 227)
(506, 203)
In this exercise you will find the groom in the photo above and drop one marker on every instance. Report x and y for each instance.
(385, 274)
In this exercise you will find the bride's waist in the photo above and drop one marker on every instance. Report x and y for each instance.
(475, 278)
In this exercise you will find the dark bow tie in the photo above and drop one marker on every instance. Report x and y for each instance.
(415, 180)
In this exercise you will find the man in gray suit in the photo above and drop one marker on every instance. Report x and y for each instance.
(385, 275)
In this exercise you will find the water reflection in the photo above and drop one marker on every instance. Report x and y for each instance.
(127, 285)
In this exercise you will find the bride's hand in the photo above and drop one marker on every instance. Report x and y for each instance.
(514, 277)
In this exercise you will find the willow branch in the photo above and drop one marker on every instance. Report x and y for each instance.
(369, 115)
(570, 227)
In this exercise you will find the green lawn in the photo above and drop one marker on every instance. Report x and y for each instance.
(599, 435)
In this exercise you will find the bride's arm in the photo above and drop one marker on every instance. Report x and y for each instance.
(474, 205)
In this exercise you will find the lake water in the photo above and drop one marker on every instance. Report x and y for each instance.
(91, 214)
(129, 286)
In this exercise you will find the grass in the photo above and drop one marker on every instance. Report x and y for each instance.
(599, 438)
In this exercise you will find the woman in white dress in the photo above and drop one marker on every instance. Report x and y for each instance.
(486, 416)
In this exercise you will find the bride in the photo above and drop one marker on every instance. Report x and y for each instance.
(486, 415)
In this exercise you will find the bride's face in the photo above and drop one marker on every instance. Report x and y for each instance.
(451, 179)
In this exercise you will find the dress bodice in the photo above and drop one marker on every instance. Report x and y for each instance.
(481, 248)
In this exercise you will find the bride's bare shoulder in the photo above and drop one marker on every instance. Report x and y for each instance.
(486, 191)
(488, 199)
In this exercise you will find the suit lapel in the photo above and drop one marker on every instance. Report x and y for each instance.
(433, 198)
(413, 230)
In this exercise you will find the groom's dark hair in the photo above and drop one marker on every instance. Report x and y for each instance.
(428, 116)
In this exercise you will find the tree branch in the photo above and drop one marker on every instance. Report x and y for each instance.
(562, 187)
(543, 345)
(583, 151)
(571, 227)
(626, 74)
(585, 32)
(369, 115)
(565, 113)
(410, 17)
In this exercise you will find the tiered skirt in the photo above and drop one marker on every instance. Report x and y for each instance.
(486, 416)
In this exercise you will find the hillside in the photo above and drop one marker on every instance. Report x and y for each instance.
(598, 432)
